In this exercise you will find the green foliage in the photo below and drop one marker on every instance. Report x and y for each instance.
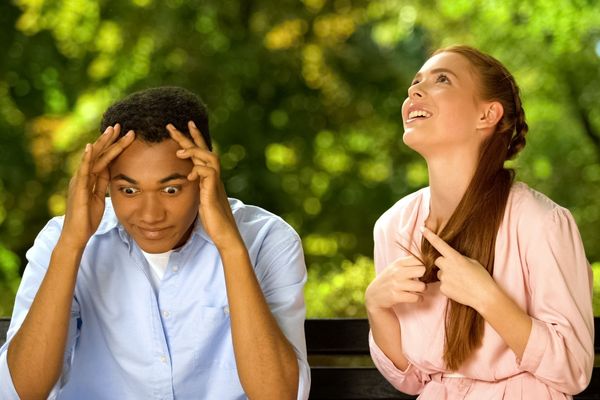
(596, 271)
(305, 101)
(332, 292)
(9, 279)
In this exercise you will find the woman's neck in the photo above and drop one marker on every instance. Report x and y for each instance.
(448, 182)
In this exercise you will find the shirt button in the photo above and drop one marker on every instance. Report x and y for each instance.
(226, 310)
(163, 359)
(175, 268)
(166, 314)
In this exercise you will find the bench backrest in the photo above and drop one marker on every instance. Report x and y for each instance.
(348, 338)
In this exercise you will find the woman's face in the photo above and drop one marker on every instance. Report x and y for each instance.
(442, 109)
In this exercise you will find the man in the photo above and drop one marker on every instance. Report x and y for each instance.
(165, 290)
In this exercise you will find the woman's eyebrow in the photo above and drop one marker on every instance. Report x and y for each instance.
(437, 71)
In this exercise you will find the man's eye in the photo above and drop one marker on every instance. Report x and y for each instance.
(171, 190)
(129, 190)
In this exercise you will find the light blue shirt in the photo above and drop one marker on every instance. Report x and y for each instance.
(128, 342)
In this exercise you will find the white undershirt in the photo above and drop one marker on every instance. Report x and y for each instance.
(158, 265)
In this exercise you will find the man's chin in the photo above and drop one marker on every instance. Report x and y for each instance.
(155, 247)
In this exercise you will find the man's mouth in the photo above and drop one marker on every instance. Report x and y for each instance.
(152, 233)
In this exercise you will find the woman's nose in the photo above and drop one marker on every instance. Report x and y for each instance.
(415, 91)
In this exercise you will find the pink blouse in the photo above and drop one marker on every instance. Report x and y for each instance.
(540, 262)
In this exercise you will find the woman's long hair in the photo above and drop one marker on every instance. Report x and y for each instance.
(473, 226)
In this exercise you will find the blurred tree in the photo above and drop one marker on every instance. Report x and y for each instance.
(305, 101)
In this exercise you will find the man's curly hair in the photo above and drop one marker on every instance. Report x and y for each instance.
(148, 112)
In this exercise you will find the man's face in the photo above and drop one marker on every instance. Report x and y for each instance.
(152, 196)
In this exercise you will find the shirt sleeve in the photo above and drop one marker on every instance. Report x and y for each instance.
(281, 271)
(560, 348)
(38, 258)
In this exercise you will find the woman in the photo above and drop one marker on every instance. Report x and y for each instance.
(483, 290)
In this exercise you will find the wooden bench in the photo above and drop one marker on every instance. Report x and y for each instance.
(338, 353)
(348, 338)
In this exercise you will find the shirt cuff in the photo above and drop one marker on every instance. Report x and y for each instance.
(303, 380)
(535, 348)
(382, 361)
(7, 388)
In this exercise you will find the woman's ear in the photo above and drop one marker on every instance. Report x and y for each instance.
(490, 115)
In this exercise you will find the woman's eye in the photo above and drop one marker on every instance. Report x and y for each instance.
(443, 78)
(171, 190)
(129, 190)
(414, 82)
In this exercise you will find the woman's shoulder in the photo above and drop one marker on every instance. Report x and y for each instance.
(531, 201)
(530, 208)
(405, 210)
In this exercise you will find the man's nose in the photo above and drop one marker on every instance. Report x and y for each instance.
(151, 209)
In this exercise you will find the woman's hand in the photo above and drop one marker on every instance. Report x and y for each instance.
(462, 279)
(87, 188)
(397, 283)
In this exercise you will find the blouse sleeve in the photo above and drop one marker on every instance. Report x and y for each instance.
(412, 380)
(560, 348)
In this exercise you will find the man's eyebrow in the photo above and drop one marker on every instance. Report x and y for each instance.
(171, 177)
(125, 178)
(437, 71)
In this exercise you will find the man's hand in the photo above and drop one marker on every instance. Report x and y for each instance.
(215, 212)
(87, 188)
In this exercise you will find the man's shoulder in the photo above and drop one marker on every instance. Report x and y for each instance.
(256, 221)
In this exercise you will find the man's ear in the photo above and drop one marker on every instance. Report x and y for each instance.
(490, 115)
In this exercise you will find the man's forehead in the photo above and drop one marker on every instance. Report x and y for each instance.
(150, 161)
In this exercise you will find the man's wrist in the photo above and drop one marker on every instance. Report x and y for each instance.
(232, 248)
(68, 245)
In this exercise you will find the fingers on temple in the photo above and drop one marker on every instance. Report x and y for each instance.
(101, 185)
(197, 136)
(113, 151)
(107, 137)
(202, 171)
(200, 157)
(179, 137)
(86, 159)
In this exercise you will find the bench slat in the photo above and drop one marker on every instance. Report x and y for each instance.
(349, 335)
(4, 323)
(337, 336)
(351, 383)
